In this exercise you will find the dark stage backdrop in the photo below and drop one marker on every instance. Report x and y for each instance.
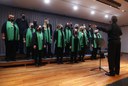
(39, 16)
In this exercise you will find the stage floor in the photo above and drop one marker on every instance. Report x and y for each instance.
(78, 74)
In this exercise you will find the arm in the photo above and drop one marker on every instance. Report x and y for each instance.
(50, 29)
(3, 31)
(104, 29)
(55, 35)
(34, 40)
(24, 35)
(27, 25)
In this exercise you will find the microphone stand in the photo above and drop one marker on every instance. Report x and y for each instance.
(100, 68)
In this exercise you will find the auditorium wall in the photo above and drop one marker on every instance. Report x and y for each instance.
(124, 39)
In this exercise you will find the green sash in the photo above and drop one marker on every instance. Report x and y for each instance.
(90, 34)
(96, 39)
(59, 39)
(68, 35)
(47, 34)
(29, 36)
(94, 42)
(16, 32)
(40, 40)
(10, 31)
(86, 38)
(73, 44)
(72, 48)
(82, 40)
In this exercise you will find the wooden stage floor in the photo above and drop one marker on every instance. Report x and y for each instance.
(78, 74)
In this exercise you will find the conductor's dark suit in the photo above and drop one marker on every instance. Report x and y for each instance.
(114, 46)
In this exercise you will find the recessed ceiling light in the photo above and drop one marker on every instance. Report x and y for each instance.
(92, 12)
(106, 16)
(46, 1)
(75, 7)
(123, 10)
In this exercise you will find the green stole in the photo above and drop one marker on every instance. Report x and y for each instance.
(96, 38)
(72, 48)
(86, 38)
(16, 32)
(68, 35)
(10, 31)
(90, 35)
(47, 34)
(29, 36)
(73, 44)
(82, 40)
(40, 40)
(59, 38)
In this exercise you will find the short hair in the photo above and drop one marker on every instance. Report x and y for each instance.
(114, 19)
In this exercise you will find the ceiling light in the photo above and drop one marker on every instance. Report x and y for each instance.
(75, 7)
(46, 1)
(92, 12)
(123, 10)
(106, 16)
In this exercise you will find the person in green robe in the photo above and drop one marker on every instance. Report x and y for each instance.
(10, 34)
(47, 30)
(59, 39)
(83, 43)
(28, 40)
(90, 34)
(96, 43)
(38, 45)
(68, 34)
(74, 45)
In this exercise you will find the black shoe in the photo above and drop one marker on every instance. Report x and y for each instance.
(95, 58)
(109, 74)
(92, 58)
(82, 60)
(117, 73)
(58, 62)
(76, 62)
(37, 65)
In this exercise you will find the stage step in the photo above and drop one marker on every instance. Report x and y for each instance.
(31, 61)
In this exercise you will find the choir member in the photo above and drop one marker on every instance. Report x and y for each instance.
(10, 34)
(23, 25)
(28, 40)
(90, 34)
(83, 43)
(59, 39)
(68, 34)
(47, 30)
(38, 45)
(95, 44)
(74, 46)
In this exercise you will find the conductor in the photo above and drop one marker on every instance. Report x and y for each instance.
(114, 46)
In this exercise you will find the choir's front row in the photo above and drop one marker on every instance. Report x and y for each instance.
(77, 42)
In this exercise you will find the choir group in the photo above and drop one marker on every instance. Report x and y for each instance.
(69, 41)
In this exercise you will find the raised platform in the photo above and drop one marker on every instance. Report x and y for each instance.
(31, 61)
